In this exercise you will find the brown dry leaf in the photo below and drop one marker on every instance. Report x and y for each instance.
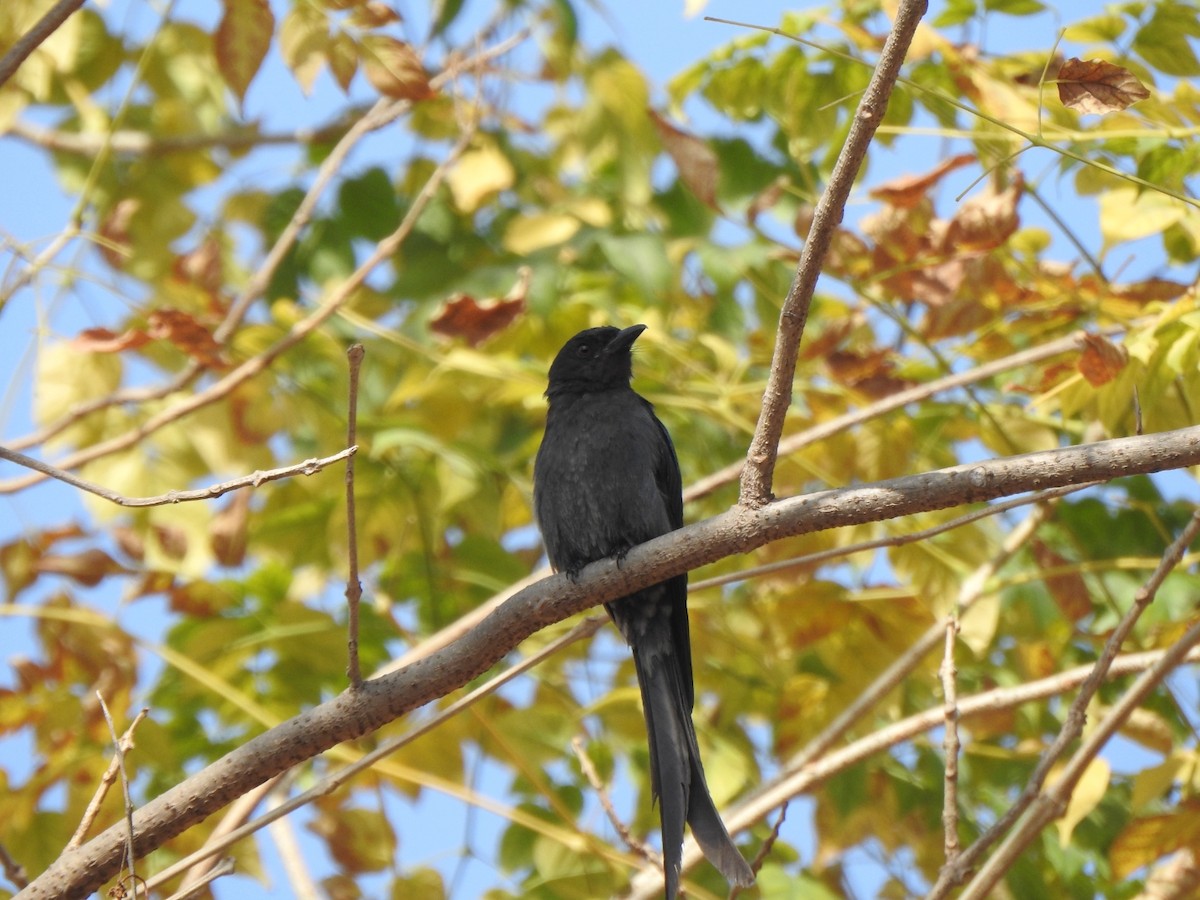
(695, 160)
(187, 334)
(241, 42)
(1143, 291)
(88, 568)
(1066, 587)
(477, 320)
(1096, 86)
(908, 190)
(394, 68)
(130, 542)
(201, 267)
(372, 14)
(172, 541)
(227, 531)
(985, 222)
(766, 198)
(1101, 360)
(102, 340)
(114, 232)
(869, 373)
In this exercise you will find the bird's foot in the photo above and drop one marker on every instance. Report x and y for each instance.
(621, 553)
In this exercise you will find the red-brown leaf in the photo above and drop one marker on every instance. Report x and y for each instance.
(693, 158)
(102, 340)
(1101, 360)
(1096, 86)
(907, 190)
(394, 68)
(985, 222)
(187, 334)
(477, 320)
(241, 42)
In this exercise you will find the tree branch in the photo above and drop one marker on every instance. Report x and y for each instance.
(382, 700)
(31, 40)
(759, 472)
(254, 479)
(798, 780)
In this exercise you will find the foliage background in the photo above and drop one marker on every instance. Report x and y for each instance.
(225, 618)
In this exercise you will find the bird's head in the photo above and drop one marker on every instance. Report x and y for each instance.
(594, 360)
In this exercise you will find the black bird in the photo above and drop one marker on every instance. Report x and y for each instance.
(606, 479)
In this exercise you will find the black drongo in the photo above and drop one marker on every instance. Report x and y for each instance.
(605, 480)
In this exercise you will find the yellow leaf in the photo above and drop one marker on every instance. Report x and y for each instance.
(1150, 784)
(67, 378)
(1088, 793)
(479, 174)
(978, 626)
(529, 233)
(303, 39)
(1126, 215)
(1145, 840)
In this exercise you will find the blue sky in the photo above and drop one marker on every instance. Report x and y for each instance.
(33, 207)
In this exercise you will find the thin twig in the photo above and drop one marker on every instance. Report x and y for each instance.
(212, 873)
(236, 815)
(758, 475)
(257, 364)
(13, 870)
(331, 782)
(601, 789)
(794, 781)
(299, 878)
(119, 758)
(898, 540)
(378, 116)
(949, 676)
(353, 585)
(106, 781)
(28, 42)
(308, 467)
(1044, 807)
(899, 400)
(765, 850)
(141, 144)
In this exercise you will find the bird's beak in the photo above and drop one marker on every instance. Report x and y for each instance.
(624, 339)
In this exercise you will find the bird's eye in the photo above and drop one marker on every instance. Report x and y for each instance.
(584, 350)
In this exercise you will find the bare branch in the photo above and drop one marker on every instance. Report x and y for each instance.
(308, 467)
(796, 780)
(139, 143)
(124, 745)
(759, 473)
(13, 870)
(257, 364)
(42, 29)
(382, 700)
(353, 585)
(382, 113)
(899, 400)
(623, 832)
(949, 676)
(119, 758)
(1043, 807)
